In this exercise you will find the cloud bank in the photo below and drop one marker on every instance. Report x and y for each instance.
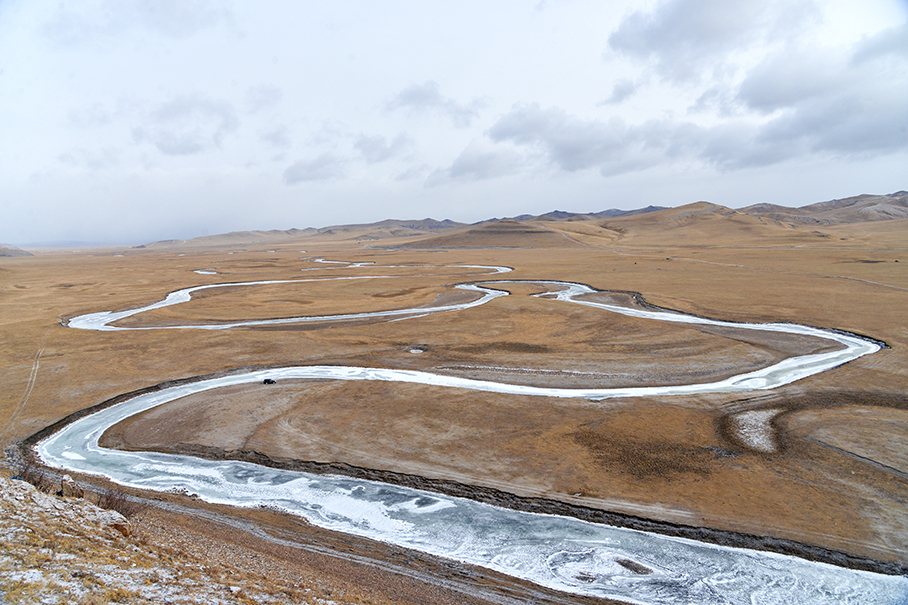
(291, 115)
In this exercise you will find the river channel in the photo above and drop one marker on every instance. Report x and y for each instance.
(558, 552)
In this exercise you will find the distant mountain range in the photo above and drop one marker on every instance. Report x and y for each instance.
(848, 210)
(855, 209)
(388, 228)
(561, 215)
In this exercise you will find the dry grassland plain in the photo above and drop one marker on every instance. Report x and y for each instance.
(832, 470)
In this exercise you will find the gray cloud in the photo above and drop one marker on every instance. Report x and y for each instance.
(171, 18)
(719, 99)
(613, 147)
(412, 173)
(322, 168)
(850, 123)
(187, 125)
(737, 145)
(92, 160)
(428, 97)
(90, 117)
(835, 104)
(263, 97)
(840, 104)
(683, 37)
(476, 164)
(377, 149)
(571, 143)
(329, 133)
(783, 80)
(278, 137)
(797, 102)
(622, 90)
(892, 42)
(175, 18)
(838, 126)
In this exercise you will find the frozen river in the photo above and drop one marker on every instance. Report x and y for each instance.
(559, 552)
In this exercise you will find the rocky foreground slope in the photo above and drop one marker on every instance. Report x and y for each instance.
(68, 550)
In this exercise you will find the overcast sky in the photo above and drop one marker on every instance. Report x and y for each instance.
(129, 121)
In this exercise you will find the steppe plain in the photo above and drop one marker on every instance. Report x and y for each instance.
(832, 475)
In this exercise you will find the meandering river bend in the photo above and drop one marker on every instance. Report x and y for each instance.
(559, 552)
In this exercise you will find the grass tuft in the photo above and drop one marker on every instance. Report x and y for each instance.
(120, 502)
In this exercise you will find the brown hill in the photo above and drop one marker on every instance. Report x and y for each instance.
(559, 215)
(701, 224)
(697, 224)
(387, 229)
(7, 250)
(854, 209)
(234, 238)
(426, 225)
(391, 228)
(501, 234)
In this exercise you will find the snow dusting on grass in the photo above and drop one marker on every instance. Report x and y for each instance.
(68, 550)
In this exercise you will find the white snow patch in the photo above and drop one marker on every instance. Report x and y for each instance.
(754, 429)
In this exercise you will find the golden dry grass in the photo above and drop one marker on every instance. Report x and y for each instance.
(834, 482)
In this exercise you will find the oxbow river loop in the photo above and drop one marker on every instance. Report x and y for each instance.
(559, 552)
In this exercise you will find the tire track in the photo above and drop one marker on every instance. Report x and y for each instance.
(32, 378)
